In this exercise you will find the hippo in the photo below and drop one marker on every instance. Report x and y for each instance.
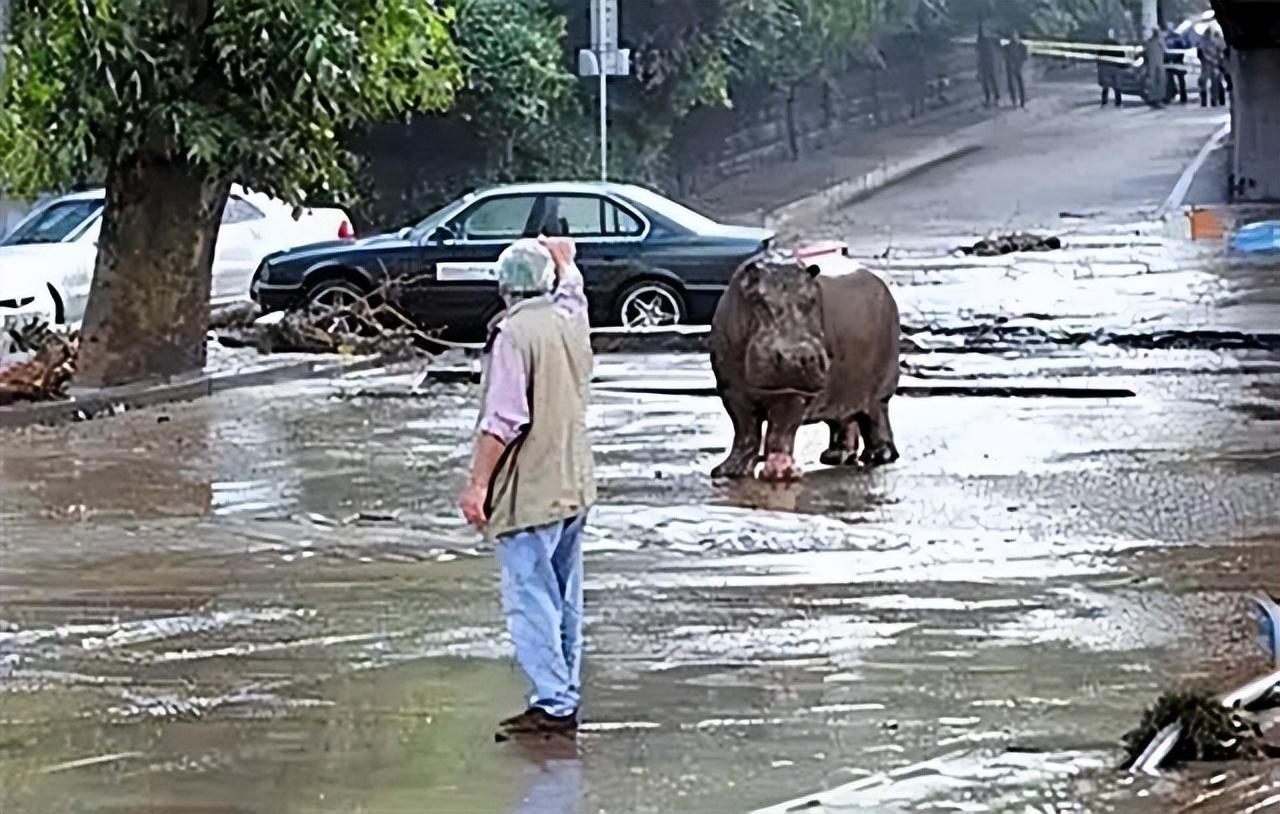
(792, 346)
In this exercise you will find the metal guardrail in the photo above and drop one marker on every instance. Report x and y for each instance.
(1126, 55)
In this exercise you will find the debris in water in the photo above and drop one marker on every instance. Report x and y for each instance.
(1010, 244)
(47, 363)
(374, 517)
(371, 325)
(233, 315)
(1209, 731)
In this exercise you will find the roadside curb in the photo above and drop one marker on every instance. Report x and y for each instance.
(111, 401)
(867, 184)
(1180, 190)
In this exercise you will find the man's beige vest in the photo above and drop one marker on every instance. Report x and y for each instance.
(546, 475)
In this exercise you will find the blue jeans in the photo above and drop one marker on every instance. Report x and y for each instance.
(542, 597)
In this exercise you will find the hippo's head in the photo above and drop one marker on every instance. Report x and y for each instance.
(781, 305)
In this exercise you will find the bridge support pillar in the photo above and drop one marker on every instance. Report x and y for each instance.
(1256, 125)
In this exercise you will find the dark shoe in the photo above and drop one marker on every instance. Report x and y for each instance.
(537, 721)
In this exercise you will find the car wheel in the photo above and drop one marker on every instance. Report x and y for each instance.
(650, 304)
(340, 307)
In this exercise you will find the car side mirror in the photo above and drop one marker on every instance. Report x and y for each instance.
(442, 234)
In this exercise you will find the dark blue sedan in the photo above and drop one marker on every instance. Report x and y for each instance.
(647, 261)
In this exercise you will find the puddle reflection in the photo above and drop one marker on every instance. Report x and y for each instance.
(554, 767)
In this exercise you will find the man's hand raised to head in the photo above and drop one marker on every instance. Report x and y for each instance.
(563, 250)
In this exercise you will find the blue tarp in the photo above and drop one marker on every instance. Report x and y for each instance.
(1263, 236)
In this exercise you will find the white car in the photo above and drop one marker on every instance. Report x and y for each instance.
(47, 261)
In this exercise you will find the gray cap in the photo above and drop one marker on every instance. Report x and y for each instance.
(526, 269)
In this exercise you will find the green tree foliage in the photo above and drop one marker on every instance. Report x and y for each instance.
(1082, 20)
(698, 53)
(242, 89)
(797, 42)
(170, 102)
(516, 80)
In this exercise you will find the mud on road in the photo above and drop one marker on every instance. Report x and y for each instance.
(265, 602)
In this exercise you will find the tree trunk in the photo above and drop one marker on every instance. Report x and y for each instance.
(148, 309)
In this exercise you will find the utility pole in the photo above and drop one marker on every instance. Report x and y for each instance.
(602, 32)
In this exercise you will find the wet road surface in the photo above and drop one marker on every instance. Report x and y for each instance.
(264, 601)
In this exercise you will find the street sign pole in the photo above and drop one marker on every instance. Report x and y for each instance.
(604, 59)
(602, 29)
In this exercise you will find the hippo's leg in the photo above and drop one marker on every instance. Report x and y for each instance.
(843, 445)
(785, 416)
(852, 440)
(747, 436)
(878, 448)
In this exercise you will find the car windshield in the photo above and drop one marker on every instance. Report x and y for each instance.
(53, 224)
(435, 220)
(671, 210)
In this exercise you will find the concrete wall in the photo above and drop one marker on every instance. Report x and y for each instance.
(1256, 120)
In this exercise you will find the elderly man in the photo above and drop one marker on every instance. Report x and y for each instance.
(532, 479)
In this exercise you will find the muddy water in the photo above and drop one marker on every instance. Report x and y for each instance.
(264, 602)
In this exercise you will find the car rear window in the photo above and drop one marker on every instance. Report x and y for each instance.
(55, 223)
(592, 216)
(669, 209)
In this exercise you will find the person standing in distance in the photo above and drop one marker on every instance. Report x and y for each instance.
(988, 54)
(1108, 71)
(532, 477)
(1015, 56)
(1153, 56)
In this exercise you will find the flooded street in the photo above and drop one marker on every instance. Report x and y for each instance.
(266, 602)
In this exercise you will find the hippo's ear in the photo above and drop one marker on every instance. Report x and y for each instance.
(813, 271)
